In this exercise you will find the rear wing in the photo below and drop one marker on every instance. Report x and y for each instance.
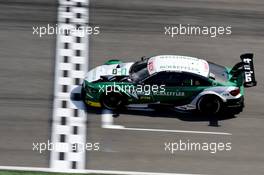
(246, 67)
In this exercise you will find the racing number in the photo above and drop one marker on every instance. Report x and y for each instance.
(121, 71)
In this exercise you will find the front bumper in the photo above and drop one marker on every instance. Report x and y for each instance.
(92, 103)
(89, 100)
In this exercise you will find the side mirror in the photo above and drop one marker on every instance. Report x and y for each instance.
(212, 76)
(143, 58)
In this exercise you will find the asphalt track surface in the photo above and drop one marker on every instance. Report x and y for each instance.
(26, 81)
(129, 30)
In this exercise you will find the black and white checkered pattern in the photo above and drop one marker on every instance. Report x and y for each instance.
(69, 120)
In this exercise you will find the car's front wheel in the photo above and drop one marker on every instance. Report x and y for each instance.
(210, 105)
(112, 100)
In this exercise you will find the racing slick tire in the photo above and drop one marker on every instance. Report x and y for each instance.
(210, 105)
(112, 100)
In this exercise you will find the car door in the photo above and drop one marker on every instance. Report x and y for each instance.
(180, 88)
(151, 86)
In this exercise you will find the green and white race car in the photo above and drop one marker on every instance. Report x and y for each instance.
(180, 82)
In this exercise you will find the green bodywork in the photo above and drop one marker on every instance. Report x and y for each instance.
(94, 90)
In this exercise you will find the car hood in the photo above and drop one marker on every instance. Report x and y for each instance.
(108, 70)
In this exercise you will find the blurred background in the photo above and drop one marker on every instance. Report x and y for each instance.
(129, 30)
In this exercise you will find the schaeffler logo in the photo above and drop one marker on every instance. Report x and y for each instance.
(133, 89)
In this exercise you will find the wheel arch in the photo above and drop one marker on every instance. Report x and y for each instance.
(205, 93)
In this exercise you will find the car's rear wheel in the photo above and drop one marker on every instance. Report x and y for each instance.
(112, 100)
(210, 105)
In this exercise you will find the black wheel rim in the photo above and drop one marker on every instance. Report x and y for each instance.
(210, 105)
(112, 100)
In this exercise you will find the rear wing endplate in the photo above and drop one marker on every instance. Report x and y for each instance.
(248, 70)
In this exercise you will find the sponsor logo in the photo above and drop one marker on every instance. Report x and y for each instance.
(178, 94)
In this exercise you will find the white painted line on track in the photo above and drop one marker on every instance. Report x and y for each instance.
(108, 120)
(16, 168)
(108, 123)
(69, 120)
(169, 131)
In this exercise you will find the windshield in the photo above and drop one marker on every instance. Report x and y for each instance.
(139, 70)
(218, 72)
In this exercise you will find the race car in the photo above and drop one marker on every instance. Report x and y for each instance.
(180, 82)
